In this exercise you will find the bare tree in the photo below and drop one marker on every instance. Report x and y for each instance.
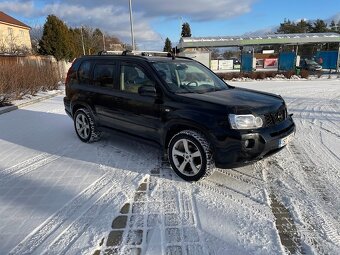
(36, 33)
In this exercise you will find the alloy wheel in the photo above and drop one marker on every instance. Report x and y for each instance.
(187, 157)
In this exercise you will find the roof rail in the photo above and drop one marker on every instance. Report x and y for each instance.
(110, 52)
(137, 53)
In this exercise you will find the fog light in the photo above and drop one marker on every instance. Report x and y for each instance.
(246, 143)
(249, 144)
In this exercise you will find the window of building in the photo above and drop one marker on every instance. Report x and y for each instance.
(10, 32)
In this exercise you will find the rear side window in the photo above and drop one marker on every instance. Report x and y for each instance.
(103, 75)
(84, 72)
(72, 73)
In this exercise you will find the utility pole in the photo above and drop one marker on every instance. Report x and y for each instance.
(82, 39)
(104, 42)
(131, 23)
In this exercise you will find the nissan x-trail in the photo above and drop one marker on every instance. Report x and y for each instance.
(200, 121)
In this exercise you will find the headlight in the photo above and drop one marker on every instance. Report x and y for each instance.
(245, 121)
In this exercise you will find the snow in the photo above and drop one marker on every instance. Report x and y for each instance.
(60, 196)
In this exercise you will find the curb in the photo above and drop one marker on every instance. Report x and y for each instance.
(7, 109)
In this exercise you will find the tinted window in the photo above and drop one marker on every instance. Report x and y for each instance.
(84, 72)
(72, 73)
(133, 77)
(103, 75)
(188, 77)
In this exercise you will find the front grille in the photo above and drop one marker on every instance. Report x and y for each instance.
(274, 118)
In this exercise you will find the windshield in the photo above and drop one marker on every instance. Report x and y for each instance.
(188, 77)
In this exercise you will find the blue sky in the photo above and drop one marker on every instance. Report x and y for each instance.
(154, 20)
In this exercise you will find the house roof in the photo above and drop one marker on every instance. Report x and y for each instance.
(10, 20)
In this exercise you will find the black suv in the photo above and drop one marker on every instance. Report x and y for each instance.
(199, 120)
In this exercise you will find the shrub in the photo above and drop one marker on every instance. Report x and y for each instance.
(261, 75)
(22, 78)
(304, 74)
(288, 74)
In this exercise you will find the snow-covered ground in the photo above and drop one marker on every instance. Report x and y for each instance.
(61, 196)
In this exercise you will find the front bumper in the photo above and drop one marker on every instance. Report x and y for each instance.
(248, 146)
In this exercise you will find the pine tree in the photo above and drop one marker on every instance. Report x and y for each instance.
(287, 27)
(76, 42)
(186, 31)
(319, 26)
(167, 45)
(303, 26)
(56, 39)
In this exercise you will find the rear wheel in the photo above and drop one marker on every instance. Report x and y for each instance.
(190, 155)
(85, 126)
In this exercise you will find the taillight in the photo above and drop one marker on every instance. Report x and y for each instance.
(67, 80)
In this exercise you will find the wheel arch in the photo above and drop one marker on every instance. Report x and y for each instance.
(177, 126)
(78, 105)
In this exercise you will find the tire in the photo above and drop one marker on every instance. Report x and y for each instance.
(190, 155)
(85, 126)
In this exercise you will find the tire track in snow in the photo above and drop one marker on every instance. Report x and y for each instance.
(186, 237)
(23, 164)
(61, 231)
(28, 166)
(114, 195)
(330, 226)
(239, 176)
(245, 201)
(307, 213)
(284, 222)
(74, 207)
(163, 209)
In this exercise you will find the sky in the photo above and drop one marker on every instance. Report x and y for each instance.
(154, 20)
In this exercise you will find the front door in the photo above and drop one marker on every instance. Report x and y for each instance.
(141, 113)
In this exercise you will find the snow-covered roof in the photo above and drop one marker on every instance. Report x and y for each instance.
(230, 41)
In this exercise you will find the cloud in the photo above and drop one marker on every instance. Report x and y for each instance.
(113, 16)
(195, 10)
(114, 21)
(24, 8)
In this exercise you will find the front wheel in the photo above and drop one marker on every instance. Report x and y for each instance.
(190, 155)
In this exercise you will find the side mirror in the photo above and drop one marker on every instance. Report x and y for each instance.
(149, 91)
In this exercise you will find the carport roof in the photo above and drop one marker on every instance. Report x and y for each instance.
(232, 41)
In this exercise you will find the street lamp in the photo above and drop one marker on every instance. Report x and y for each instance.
(131, 23)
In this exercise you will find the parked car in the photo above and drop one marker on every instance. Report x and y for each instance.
(310, 65)
(200, 121)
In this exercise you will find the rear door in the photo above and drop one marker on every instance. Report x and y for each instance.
(105, 87)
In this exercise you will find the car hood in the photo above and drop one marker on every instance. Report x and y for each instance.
(241, 101)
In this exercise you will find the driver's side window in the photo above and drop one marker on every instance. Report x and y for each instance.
(133, 77)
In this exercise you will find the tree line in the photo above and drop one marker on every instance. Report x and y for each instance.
(303, 26)
(67, 43)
